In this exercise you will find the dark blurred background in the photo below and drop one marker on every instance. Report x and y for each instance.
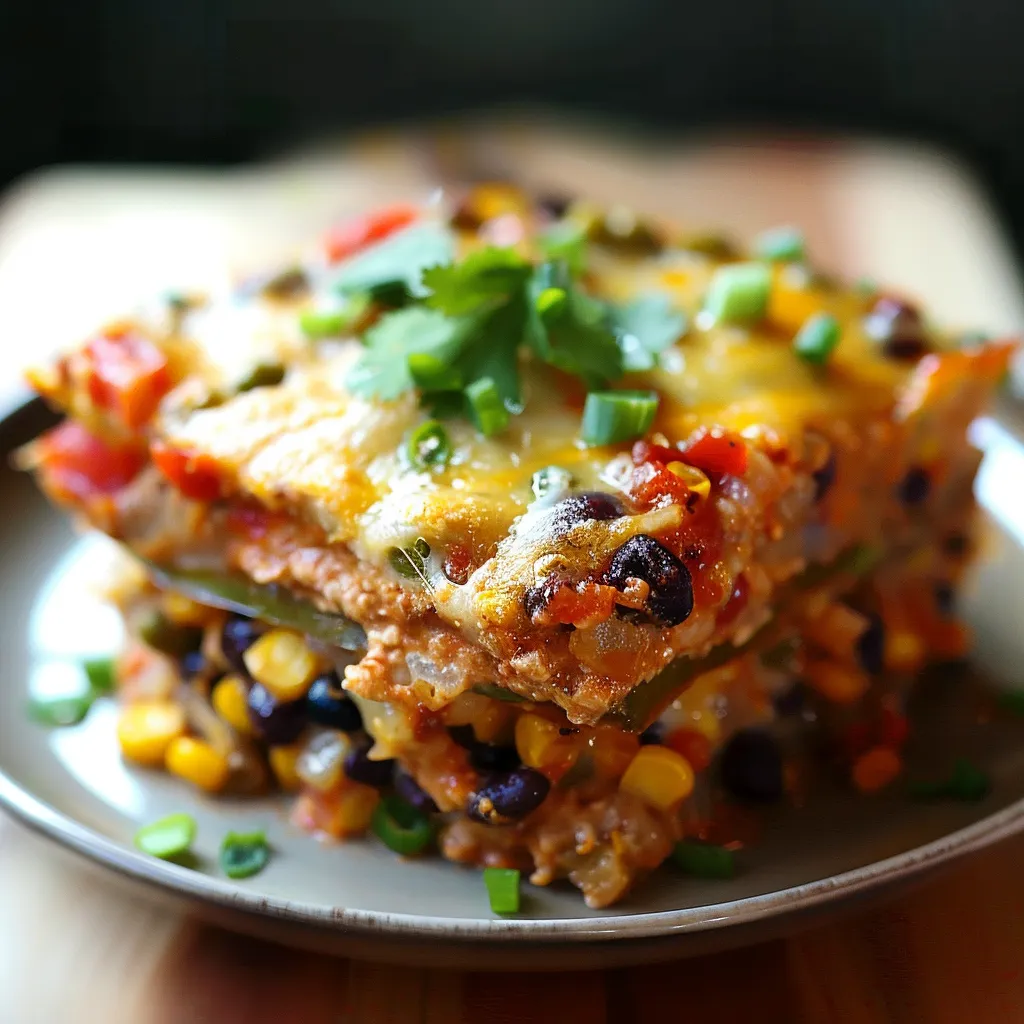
(219, 81)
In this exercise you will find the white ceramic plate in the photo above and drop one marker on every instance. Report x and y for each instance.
(359, 898)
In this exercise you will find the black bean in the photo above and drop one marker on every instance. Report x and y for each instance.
(555, 206)
(412, 793)
(508, 797)
(277, 723)
(642, 557)
(791, 701)
(915, 485)
(824, 477)
(327, 704)
(898, 327)
(359, 768)
(956, 545)
(751, 766)
(536, 599)
(485, 757)
(590, 505)
(944, 597)
(652, 735)
(237, 636)
(191, 664)
(871, 646)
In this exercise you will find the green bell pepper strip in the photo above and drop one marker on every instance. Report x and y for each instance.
(234, 593)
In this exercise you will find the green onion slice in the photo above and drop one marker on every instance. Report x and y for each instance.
(965, 782)
(400, 827)
(169, 837)
(60, 711)
(428, 446)
(489, 412)
(430, 373)
(816, 339)
(781, 245)
(613, 416)
(244, 854)
(100, 673)
(335, 320)
(739, 292)
(502, 889)
(704, 860)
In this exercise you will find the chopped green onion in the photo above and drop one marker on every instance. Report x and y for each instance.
(400, 827)
(502, 889)
(428, 445)
(489, 412)
(1012, 701)
(60, 711)
(704, 859)
(262, 375)
(968, 782)
(816, 339)
(739, 292)
(244, 854)
(335, 320)
(781, 245)
(613, 416)
(430, 373)
(157, 631)
(100, 673)
(965, 782)
(550, 481)
(410, 563)
(167, 838)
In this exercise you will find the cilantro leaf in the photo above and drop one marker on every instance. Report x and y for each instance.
(566, 240)
(646, 327)
(484, 278)
(382, 370)
(570, 330)
(493, 349)
(399, 259)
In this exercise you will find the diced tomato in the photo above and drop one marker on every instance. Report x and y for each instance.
(127, 376)
(893, 728)
(583, 605)
(716, 453)
(80, 465)
(651, 484)
(196, 475)
(348, 238)
(691, 744)
(643, 452)
(458, 563)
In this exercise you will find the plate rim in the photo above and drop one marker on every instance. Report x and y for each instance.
(175, 880)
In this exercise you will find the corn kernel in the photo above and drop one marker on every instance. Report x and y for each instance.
(696, 480)
(198, 763)
(904, 651)
(229, 699)
(659, 776)
(875, 769)
(283, 762)
(612, 750)
(146, 729)
(841, 684)
(183, 611)
(535, 738)
(355, 809)
(282, 662)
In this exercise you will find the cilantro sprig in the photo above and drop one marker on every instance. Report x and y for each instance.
(460, 340)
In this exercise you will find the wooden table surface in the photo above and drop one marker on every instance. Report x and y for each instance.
(74, 948)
